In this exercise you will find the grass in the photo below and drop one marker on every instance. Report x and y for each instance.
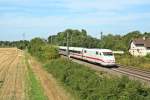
(86, 84)
(35, 91)
(128, 60)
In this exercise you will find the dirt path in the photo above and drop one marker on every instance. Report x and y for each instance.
(52, 90)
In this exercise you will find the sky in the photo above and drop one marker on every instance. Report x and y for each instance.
(41, 18)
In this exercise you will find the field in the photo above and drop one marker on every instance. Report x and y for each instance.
(22, 78)
(12, 74)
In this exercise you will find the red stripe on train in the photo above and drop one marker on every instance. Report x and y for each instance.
(89, 57)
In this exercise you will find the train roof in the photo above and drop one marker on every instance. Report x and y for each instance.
(101, 50)
(71, 47)
(90, 49)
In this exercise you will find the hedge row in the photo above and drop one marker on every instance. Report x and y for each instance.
(43, 51)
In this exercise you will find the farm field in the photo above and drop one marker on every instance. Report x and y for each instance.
(24, 79)
(12, 74)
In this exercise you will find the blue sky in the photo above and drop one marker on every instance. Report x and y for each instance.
(41, 18)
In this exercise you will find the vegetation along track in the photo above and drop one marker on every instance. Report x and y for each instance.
(125, 70)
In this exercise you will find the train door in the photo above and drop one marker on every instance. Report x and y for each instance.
(96, 56)
(84, 54)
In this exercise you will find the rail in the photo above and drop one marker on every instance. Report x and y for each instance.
(125, 70)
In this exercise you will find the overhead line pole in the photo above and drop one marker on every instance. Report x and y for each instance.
(101, 38)
(101, 35)
(67, 45)
(24, 38)
(51, 40)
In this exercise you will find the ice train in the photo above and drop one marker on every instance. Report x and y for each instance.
(104, 57)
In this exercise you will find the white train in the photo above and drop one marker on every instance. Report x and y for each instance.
(102, 56)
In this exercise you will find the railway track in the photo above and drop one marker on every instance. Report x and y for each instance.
(123, 70)
(134, 72)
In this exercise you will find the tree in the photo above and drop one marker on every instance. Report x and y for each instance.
(77, 38)
(36, 45)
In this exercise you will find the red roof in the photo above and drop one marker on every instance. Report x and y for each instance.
(145, 41)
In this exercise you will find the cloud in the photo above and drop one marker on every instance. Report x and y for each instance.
(56, 15)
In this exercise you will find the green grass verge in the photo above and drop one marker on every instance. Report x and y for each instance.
(35, 91)
(87, 84)
(128, 60)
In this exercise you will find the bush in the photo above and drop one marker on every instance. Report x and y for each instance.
(47, 53)
(40, 49)
(88, 85)
(148, 55)
(128, 60)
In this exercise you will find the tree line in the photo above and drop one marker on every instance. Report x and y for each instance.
(22, 44)
(80, 38)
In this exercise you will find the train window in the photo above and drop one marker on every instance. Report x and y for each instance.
(62, 49)
(77, 51)
(100, 54)
(84, 51)
(96, 52)
(107, 53)
(73, 51)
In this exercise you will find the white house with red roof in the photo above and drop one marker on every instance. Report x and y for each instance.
(140, 46)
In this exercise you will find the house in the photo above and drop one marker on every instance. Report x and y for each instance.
(140, 46)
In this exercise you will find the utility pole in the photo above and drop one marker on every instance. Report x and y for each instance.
(51, 39)
(67, 45)
(101, 38)
(24, 37)
(71, 40)
(101, 35)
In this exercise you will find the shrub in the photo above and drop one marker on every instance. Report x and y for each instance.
(48, 52)
(88, 85)
(128, 60)
(148, 55)
(40, 49)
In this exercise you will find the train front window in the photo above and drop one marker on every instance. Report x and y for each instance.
(107, 53)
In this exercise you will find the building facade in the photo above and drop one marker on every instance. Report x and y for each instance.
(140, 47)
